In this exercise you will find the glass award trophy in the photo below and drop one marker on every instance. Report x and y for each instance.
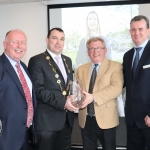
(76, 94)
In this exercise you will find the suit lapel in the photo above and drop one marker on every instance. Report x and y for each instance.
(64, 60)
(103, 68)
(12, 72)
(143, 58)
(87, 75)
(25, 68)
(87, 72)
(33, 93)
(129, 63)
(67, 68)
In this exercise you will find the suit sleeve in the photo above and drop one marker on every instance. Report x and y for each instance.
(113, 90)
(43, 90)
(123, 64)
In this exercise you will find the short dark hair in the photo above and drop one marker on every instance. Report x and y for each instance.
(58, 29)
(139, 18)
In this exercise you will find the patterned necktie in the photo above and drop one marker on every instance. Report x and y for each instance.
(90, 107)
(136, 60)
(59, 64)
(27, 95)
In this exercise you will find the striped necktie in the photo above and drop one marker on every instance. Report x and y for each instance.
(90, 107)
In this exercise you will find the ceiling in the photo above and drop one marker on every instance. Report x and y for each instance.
(17, 1)
(44, 2)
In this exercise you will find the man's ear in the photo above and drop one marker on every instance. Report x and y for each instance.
(4, 44)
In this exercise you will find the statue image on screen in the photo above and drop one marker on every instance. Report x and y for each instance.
(92, 30)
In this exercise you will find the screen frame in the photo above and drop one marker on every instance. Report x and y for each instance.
(85, 4)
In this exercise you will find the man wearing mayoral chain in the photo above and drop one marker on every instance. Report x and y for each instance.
(51, 72)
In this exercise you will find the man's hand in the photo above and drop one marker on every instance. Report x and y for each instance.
(88, 99)
(147, 120)
(69, 106)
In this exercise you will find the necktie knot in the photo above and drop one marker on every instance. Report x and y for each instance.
(57, 58)
(17, 65)
(96, 65)
(138, 49)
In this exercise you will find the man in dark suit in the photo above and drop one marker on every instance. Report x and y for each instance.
(54, 117)
(136, 67)
(17, 99)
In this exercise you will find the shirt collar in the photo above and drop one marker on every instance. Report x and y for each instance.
(52, 54)
(93, 65)
(13, 63)
(142, 45)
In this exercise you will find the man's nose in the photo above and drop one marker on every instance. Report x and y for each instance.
(58, 41)
(136, 31)
(19, 44)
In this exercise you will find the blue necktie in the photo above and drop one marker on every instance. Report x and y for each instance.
(136, 60)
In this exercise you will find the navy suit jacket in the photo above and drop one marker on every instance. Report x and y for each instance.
(13, 107)
(137, 104)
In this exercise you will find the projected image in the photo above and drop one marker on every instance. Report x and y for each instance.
(92, 29)
(112, 23)
(109, 22)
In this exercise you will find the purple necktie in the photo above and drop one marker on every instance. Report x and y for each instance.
(60, 65)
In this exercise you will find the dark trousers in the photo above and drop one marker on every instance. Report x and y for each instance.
(55, 140)
(25, 145)
(138, 139)
(92, 132)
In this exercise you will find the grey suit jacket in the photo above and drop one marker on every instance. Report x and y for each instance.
(50, 114)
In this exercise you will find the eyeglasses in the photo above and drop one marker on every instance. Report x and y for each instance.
(99, 49)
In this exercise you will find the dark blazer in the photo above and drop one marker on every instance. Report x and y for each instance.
(13, 107)
(137, 104)
(50, 115)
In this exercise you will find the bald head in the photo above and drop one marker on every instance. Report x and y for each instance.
(15, 44)
(9, 33)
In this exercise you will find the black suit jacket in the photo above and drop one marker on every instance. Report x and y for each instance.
(13, 106)
(137, 104)
(50, 115)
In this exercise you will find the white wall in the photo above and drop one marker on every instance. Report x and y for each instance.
(29, 17)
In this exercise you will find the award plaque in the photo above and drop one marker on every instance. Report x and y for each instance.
(76, 94)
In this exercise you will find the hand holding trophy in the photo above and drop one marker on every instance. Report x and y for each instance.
(76, 94)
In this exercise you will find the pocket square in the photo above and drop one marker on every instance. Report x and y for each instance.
(146, 66)
(0, 126)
